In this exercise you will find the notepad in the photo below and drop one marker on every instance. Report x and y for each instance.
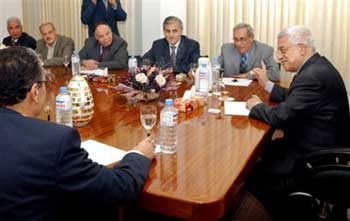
(97, 72)
(236, 108)
(237, 82)
(102, 153)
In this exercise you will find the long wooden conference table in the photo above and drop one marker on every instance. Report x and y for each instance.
(214, 152)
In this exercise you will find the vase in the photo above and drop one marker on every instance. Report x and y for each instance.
(82, 101)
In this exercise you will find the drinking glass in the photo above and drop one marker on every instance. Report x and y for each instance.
(148, 117)
(66, 62)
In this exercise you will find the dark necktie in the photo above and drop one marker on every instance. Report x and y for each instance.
(173, 56)
(103, 52)
(243, 66)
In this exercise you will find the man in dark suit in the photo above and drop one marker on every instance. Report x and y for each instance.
(96, 11)
(175, 50)
(43, 170)
(17, 36)
(104, 50)
(312, 114)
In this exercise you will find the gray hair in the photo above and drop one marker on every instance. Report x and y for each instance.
(172, 19)
(244, 25)
(47, 23)
(14, 19)
(298, 35)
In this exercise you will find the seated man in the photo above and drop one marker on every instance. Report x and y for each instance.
(245, 53)
(104, 50)
(53, 47)
(312, 114)
(17, 36)
(175, 50)
(43, 167)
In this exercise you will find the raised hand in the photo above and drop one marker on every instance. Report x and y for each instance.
(261, 74)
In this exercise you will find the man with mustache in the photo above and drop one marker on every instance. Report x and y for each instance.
(53, 47)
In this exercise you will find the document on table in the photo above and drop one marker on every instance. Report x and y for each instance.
(237, 82)
(236, 108)
(102, 153)
(97, 72)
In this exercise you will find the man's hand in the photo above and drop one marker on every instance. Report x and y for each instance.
(261, 74)
(89, 64)
(254, 100)
(93, 2)
(278, 134)
(113, 3)
(146, 147)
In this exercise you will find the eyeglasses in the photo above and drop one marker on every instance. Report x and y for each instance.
(242, 39)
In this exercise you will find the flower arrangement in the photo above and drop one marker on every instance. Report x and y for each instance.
(148, 79)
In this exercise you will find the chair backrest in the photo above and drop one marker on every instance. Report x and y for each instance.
(327, 175)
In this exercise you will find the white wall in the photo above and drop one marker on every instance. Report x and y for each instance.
(153, 14)
(8, 8)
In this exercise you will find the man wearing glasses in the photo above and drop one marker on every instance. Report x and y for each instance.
(45, 174)
(239, 58)
(313, 114)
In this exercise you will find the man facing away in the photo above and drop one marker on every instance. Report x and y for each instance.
(97, 11)
(53, 48)
(43, 170)
(240, 57)
(313, 114)
(175, 50)
(17, 36)
(103, 50)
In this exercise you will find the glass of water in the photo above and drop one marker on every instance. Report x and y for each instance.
(66, 61)
(148, 117)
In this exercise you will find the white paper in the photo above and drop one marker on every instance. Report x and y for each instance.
(187, 95)
(237, 82)
(97, 72)
(102, 153)
(236, 108)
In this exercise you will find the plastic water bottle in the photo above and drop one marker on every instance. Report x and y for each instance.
(75, 60)
(64, 108)
(168, 125)
(132, 63)
(203, 78)
(215, 68)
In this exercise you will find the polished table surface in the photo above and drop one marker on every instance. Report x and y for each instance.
(214, 152)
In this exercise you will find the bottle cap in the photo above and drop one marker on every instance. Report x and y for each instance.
(169, 102)
(63, 89)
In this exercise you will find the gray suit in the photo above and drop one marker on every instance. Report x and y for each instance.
(115, 56)
(231, 59)
(64, 46)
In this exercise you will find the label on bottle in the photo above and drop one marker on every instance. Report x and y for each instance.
(168, 119)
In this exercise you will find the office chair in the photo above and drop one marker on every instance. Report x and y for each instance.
(325, 179)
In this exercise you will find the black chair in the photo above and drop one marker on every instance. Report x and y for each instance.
(324, 184)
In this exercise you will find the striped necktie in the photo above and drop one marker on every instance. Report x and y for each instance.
(243, 66)
(173, 56)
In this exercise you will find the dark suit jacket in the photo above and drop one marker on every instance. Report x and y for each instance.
(64, 46)
(314, 112)
(115, 57)
(43, 168)
(92, 14)
(25, 40)
(187, 53)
